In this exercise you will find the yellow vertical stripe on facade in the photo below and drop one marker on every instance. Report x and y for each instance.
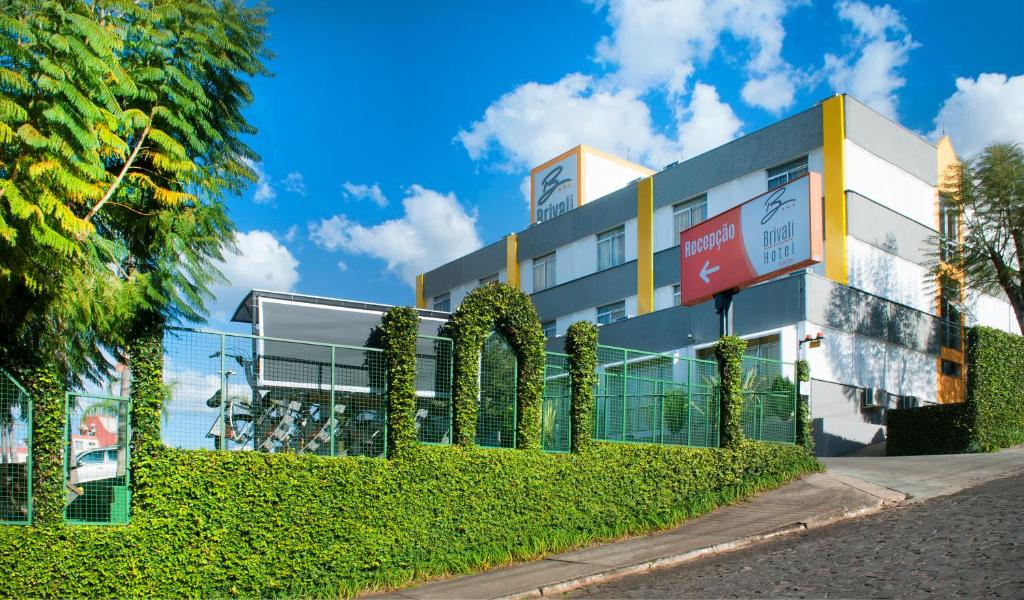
(645, 246)
(834, 128)
(512, 259)
(951, 389)
(421, 300)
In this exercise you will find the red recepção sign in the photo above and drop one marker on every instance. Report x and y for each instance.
(774, 233)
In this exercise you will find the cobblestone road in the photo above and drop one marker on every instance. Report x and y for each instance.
(970, 545)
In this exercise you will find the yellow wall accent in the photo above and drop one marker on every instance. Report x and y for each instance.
(951, 389)
(834, 127)
(512, 259)
(645, 246)
(421, 300)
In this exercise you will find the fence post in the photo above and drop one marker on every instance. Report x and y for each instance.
(223, 392)
(625, 385)
(729, 352)
(334, 421)
(690, 368)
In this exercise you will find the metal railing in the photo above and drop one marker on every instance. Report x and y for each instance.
(15, 452)
(655, 398)
(555, 416)
(769, 400)
(97, 461)
(434, 366)
(496, 411)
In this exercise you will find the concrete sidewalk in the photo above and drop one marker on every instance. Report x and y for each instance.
(809, 502)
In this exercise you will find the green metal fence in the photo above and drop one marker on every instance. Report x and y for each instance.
(97, 461)
(231, 391)
(434, 389)
(769, 400)
(15, 452)
(556, 430)
(496, 415)
(655, 398)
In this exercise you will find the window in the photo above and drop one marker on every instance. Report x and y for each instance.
(91, 458)
(544, 272)
(489, 279)
(676, 295)
(950, 368)
(949, 228)
(689, 213)
(611, 248)
(443, 302)
(548, 329)
(783, 174)
(610, 313)
(949, 312)
(764, 347)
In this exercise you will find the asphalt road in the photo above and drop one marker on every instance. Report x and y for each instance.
(968, 545)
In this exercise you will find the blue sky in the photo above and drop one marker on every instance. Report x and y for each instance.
(395, 136)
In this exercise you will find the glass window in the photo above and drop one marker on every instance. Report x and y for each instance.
(783, 174)
(676, 295)
(764, 347)
(443, 302)
(949, 228)
(950, 368)
(91, 458)
(610, 313)
(548, 329)
(949, 312)
(111, 456)
(611, 248)
(689, 213)
(489, 279)
(544, 272)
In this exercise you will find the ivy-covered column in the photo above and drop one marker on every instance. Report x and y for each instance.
(804, 423)
(729, 353)
(46, 387)
(399, 327)
(145, 350)
(581, 346)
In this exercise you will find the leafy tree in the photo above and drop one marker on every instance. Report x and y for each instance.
(986, 193)
(120, 136)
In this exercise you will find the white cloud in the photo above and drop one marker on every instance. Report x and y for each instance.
(982, 111)
(291, 234)
(707, 122)
(435, 229)
(882, 46)
(662, 42)
(342, 266)
(362, 191)
(261, 262)
(265, 191)
(295, 183)
(773, 92)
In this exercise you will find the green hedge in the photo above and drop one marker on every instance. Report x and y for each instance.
(581, 346)
(995, 374)
(253, 524)
(937, 429)
(804, 420)
(992, 416)
(399, 327)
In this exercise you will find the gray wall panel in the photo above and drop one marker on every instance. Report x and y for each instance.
(666, 267)
(475, 265)
(890, 141)
(851, 310)
(777, 143)
(840, 425)
(888, 230)
(593, 290)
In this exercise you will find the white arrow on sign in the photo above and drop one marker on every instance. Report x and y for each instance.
(705, 271)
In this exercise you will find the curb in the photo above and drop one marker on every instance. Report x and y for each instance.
(612, 574)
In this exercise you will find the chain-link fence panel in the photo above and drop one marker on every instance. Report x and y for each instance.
(434, 389)
(648, 397)
(556, 429)
(227, 391)
(496, 413)
(97, 461)
(769, 400)
(15, 452)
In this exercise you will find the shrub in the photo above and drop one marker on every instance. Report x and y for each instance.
(804, 421)
(729, 352)
(995, 404)
(936, 429)
(581, 346)
(254, 524)
(399, 327)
